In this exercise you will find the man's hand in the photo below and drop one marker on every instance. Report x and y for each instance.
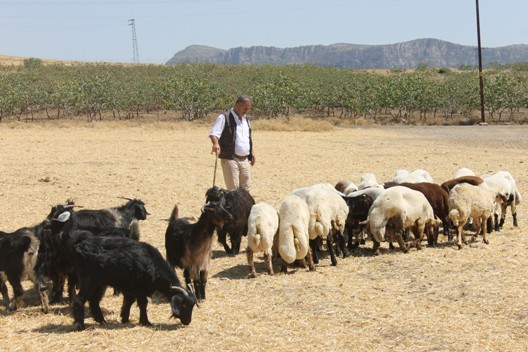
(253, 160)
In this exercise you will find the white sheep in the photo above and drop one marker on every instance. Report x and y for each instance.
(463, 171)
(417, 176)
(397, 209)
(504, 184)
(467, 201)
(263, 225)
(368, 180)
(328, 213)
(293, 238)
(346, 186)
(400, 175)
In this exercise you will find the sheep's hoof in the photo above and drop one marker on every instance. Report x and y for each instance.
(459, 246)
(252, 275)
(486, 241)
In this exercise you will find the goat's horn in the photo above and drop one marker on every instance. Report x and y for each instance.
(126, 198)
(180, 289)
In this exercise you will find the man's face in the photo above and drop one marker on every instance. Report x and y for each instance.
(242, 108)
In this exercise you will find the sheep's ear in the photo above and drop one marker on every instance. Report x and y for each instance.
(63, 217)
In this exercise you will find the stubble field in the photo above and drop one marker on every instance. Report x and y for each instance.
(436, 299)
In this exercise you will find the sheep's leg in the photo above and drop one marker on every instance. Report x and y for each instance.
(95, 308)
(489, 224)
(342, 245)
(401, 242)
(128, 301)
(418, 232)
(284, 267)
(479, 226)
(460, 236)
(249, 255)
(143, 318)
(484, 230)
(496, 218)
(330, 245)
(515, 219)
(267, 261)
(309, 260)
(376, 247)
(313, 246)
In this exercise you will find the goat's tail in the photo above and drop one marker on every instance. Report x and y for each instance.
(174, 214)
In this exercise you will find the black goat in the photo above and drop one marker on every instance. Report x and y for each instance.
(126, 217)
(238, 202)
(55, 259)
(188, 246)
(18, 261)
(136, 269)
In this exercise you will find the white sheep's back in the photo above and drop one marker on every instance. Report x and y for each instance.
(293, 229)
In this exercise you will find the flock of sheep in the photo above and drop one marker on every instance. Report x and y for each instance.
(410, 202)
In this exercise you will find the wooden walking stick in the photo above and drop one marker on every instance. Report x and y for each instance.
(214, 175)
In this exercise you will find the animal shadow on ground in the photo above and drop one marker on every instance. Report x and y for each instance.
(91, 325)
(239, 271)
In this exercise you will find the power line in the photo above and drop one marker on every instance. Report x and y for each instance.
(135, 50)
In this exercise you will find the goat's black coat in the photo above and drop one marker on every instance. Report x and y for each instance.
(358, 207)
(238, 202)
(125, 217)
(188, 246)
(137, 269)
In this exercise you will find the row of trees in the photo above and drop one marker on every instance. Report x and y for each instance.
(100, 91)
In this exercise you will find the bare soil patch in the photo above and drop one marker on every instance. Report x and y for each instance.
(436, 299)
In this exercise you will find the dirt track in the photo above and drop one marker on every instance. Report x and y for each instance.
(438, 299)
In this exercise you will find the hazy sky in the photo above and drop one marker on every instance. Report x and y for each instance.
(98, 30)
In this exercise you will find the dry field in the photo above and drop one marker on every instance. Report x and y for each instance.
(441, 299)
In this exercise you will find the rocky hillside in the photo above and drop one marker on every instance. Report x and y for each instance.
(432, 52)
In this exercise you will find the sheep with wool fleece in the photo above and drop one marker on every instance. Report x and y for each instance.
(471, 202)
(504, 184)
(293, 238)
(328, 212)
(263, 226)
(400, 208)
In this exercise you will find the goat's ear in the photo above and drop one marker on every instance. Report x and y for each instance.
(63, 217)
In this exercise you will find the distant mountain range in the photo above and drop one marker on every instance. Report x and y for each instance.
(432, 52)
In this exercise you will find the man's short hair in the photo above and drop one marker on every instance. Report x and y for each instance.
(243, 99)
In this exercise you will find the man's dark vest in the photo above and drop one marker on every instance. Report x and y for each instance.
(227, 138)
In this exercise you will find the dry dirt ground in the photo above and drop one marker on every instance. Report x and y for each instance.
(436, 299)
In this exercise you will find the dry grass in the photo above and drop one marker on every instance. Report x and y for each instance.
(440, 299)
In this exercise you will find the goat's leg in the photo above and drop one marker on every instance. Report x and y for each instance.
(143, 318)
(484, 230)
(496, 218)
(18, 291)
(95, 308)
(78, 305)
(314, 247)
(249, 255)
(57, 289)
(128, 301)
(43, 294)
(515, 219)
(330, 246)
(203, 281)
(188, 281)
(3, 289)
(72, 285)
(235, 244)
(222, 238)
